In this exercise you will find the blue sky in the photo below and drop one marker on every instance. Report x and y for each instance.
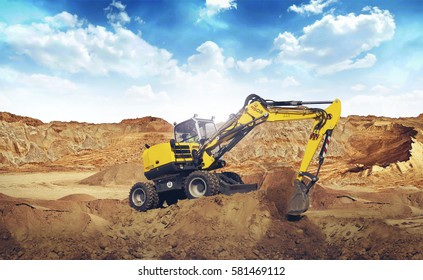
(103, 61)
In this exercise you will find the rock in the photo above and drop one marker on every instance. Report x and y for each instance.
(165, 220)
(138, 254)
(20, 253)
(218, 200)
(173, 242)
(5, 236)
(103, 243)
(53, 256)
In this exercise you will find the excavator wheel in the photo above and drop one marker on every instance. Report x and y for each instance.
(234, 176)
(201, 183)
(143, 196)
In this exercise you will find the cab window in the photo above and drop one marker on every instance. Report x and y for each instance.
(207, 129)
(186, 132)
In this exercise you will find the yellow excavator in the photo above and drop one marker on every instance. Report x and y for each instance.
(185, 167)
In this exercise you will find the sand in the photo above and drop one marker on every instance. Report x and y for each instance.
(341, 224)
(67, 196)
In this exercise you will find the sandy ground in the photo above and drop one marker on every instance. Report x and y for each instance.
(54, 185)
(52, 216)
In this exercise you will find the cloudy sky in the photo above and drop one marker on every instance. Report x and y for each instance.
(106, 60)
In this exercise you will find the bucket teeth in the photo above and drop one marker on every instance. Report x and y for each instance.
(299, 201)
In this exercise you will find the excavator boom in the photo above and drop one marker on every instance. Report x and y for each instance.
(257, 111)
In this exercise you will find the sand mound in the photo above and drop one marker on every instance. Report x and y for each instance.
(277, 185)
(11, 118)
(218, 227)
(381, 143)
(125, 174)
(149, 124)
(78, 197)
(25, 221)
(30, 144)
(6, 197)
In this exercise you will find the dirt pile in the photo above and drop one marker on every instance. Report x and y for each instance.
(220, 227)
(12, 118)
(78, 197)
(376, 151)
(30, 145)
(125, 174)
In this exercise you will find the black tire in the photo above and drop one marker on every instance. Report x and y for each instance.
(234, 176)
(201, 183)
(143, 196)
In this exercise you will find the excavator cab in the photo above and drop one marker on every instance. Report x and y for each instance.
(194, 130)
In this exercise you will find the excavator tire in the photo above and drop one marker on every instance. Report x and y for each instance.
(201, 183)
(234, 176)
(143, 196)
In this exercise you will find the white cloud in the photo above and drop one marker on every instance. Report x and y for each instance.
(50, 83)
(63, 20)
(8, 76)
(337, 43)
(210, 57)
(314, 7)
(289, 82)
(116, 14)
(216, 6)
(40, 83)
(211, 94)
(37, 94)
(5, 103)
(146, 93)
(65, 44)
(286, 82)
(381, 89)
(368, 61)
(250, 64)
(358, 87)
(76, 48)
(229, 62)
(407, 104)
(139, 20)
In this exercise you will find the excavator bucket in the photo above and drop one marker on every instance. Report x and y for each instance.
(299, 201)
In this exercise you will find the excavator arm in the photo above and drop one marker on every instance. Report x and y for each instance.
(256, 111)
